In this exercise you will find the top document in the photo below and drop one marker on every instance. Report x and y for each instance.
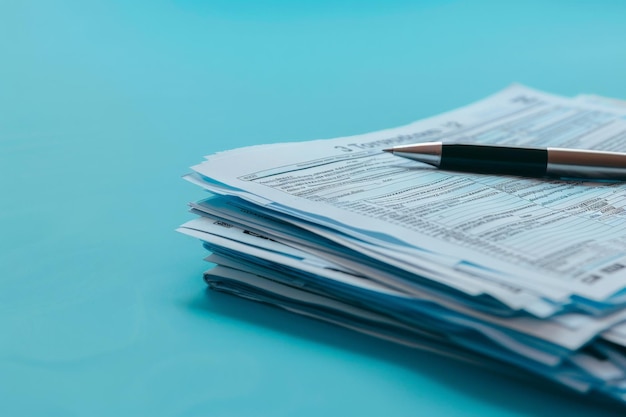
(516, 239)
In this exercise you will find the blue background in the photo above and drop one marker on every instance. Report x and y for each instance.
(104, 105)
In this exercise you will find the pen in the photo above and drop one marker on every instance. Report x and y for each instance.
(529, 162)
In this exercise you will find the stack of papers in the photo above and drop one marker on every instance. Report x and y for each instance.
(501, 271)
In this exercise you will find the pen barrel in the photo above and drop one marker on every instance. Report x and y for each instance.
(574, 163)
(494, 160)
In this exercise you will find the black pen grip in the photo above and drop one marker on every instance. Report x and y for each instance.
(494, 159)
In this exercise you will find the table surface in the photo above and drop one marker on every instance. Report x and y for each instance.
(105, 104)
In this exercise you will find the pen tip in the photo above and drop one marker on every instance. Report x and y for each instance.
(388, 150)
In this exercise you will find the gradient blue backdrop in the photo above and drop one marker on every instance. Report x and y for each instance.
(104, 105)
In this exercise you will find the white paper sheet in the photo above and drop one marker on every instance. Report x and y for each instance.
(565, 236)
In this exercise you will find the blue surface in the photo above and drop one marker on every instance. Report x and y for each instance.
(104, 105)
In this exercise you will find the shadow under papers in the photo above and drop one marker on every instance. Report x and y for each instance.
(536, 398)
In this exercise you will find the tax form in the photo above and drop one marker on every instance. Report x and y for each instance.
(527, 274)
(556, 238)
